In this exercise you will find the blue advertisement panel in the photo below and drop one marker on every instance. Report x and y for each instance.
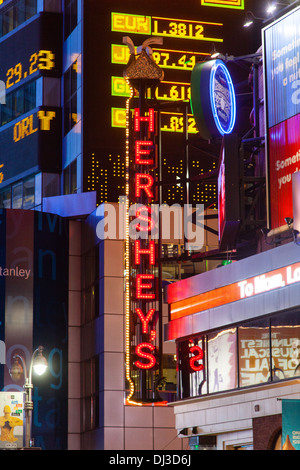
(33, 312)
(282, 68)
(50, 328)
(290, 424)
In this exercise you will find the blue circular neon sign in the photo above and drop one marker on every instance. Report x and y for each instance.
(213, 99)
(222, 98)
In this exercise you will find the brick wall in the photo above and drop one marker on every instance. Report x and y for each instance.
(265, 431)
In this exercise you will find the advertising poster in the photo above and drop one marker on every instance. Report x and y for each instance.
(282, 86)
(290, 424)
(282, 55)
(11, 420)
(34, 308)
(284, 161)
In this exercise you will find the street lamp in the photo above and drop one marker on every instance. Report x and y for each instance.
(39, 365)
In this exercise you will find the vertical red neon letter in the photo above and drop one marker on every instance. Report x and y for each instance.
(138, 251)
(143, 218)
(146, 286)
(139, 152)
(145, 320)
(139, 351)
(145, 186)
(138, 119)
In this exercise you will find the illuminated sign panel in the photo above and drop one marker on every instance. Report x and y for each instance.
(168, 27)
(189, 35)
(35, 139)
(213, 99)
(228, 193)
(239, 290)
(141, 257)
(33, 50)
(281, 62)
(282, 57)
(284, 160)
(171, 122)
(238, 4)
(34, 311)
(173, 59)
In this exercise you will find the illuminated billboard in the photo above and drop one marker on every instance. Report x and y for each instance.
(228, 193)
(282, 105)
(32, 51)
(213, 99)
(189, 36)
(238, 4)
(34, 250)
(30, 136)
(36, 140)
(284, 160)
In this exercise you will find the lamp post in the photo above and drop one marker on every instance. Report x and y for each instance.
(38, 363)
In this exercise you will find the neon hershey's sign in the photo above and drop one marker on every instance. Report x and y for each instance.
(142, 312)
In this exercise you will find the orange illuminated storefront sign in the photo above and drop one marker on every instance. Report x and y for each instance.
(239, 290)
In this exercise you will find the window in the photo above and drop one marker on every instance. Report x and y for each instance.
(256, 352)
(285, 344)
(17, 196)
(90, 393)
(20, 13)
(15, 15)
(28, 193)
(90, 285)
(6, 110)
(30, 8)
(70, 178)
(29, 96)
(8, 21)
(192, 371)
(20, 195)
(18, 102)
(70, 19)
(70, 98)
(222, 360)
(5, 199)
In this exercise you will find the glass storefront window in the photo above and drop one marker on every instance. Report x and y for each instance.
(254, 353)
(192, 367)
(257, 352)
(221, 359)
(285, 343)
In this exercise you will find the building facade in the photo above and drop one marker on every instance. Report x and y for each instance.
(237, 327)
(237, 335)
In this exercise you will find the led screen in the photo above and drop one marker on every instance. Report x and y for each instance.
(189, 36)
